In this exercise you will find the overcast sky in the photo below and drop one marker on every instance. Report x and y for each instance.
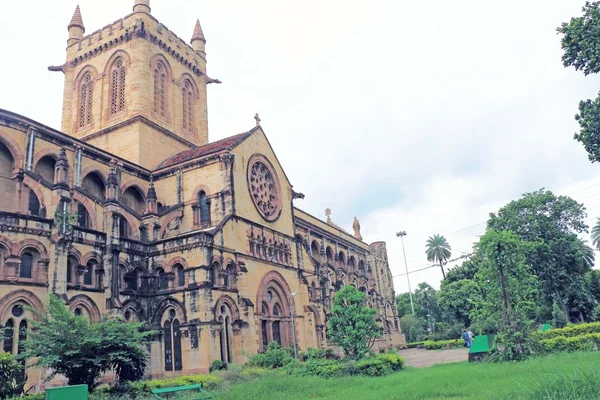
(422, 116)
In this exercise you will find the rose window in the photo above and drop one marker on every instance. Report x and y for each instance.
(264, 188)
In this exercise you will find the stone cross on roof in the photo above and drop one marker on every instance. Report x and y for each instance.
(328, 214)
(257, 118)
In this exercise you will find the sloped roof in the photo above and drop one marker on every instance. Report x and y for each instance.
(223, 144)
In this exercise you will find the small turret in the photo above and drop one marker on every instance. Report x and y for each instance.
(356, 227)
(151, 206)
(112, 183)
(76, 28)
(61, 170)
(141, 6)
(198, 40)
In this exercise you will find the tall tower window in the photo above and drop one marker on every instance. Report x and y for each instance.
(160, 81)
(86, 94)
(188, 105)
(117, 87)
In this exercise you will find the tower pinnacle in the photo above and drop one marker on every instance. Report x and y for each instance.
(76, 20)
(141, 6)
(198, 34)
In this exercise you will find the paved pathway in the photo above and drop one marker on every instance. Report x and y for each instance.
(426, 358)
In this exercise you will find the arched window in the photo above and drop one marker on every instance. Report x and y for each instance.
(117, 87)
(188, 105)
(88, 276)
(314, 247)
(134, 199)
(361, 267)
(204, 209)
(230, 276)
(72, 264)
(123, 227)
(45, 168)
(86, 100)
(83, 217)
(22, 336)
(329, 254)
(9, 328)
(172, 343)
(34, 204)
(276, 310)
(163, 283)
(137, 281)
(226, 333)
(123, 279)
(25, 271)
(160, 82)
(94, 185)
(179, 274)
(7, 186)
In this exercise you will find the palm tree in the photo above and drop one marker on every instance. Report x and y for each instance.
(588, 254)
(438, 251)
(596, 234)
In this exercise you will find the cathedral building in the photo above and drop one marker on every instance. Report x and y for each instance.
(130, 210)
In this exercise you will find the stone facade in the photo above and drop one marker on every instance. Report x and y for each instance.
(132, 212)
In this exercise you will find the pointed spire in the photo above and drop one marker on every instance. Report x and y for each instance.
(198, 34)
(76, 20)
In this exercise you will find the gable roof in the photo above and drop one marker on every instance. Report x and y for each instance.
(223, 144)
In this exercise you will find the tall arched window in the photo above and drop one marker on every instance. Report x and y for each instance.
(163, 283)
(188, 105)
(45, 168)
(179, 274)
(83, 217)
(226, 333)
(88, 276)
(9, 327)
(117, 86)
(172, 343)
(34, 204)
(204, 209)
(94, 185)
(25, 271)
(160, 82)
(72, 264)
(86, 99)
(230, 276)
(22, 336)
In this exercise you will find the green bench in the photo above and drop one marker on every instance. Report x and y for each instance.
(197, 392)
(76, 392)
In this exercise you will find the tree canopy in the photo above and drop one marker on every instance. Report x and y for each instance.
(438, 250)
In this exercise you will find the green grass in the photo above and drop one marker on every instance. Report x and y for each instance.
(564, 376)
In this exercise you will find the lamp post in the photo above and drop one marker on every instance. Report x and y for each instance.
(293, 328)
(401, 236)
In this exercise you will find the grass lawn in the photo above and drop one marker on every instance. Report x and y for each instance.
(563, 376)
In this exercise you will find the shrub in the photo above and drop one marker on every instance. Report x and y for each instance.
(315, 367)
(312, 354)
(372, 367)
(392, 360)
(145, 388)
(218, 365)
(569, 331)
(585, 342)
(274, 357)
(441, 344)
(12, 376)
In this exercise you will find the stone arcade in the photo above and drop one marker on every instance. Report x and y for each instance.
(201, 240)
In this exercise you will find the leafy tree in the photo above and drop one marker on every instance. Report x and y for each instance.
(510, 292)
(352, 325)
(581, 45)
(426, 298)
(596, 235)
(458, 299)
(558, 317)
(413, 327)
(403, 304)
(593, 282)
(12, 376)
(549, 225)
(71, 346)
(438, 251)
(466, 270)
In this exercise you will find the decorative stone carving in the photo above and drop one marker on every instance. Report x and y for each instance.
(264, 187)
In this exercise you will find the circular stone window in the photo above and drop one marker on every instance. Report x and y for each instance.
(264, 188)
(17, 310)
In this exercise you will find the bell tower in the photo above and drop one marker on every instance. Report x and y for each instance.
(134, 88)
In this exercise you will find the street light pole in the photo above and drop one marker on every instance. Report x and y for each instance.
(401, 235)
(293, 328)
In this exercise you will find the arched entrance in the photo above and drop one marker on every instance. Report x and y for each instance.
(274, 316)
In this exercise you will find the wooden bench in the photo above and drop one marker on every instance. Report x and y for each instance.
(197, 393)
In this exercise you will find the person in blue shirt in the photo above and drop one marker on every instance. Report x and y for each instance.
(467, 338)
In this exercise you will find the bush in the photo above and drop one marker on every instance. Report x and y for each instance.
(441, 344)
(218, 365)
(315, 367)
(312, 354)
(275, 357)
(569, 331)
(392, 360)
(372, 367)
(145, 388)
(585, 342)
(12, 376)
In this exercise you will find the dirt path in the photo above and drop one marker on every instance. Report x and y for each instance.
(426, 358)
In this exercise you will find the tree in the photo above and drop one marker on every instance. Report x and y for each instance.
(403, 304)
(72, 346)
(549, 225)
(596, 235)
(426, 298)
(458, 299)
(511, 292)
(438, 251)
(352, 325)
(558, 318)
(466, 270)
(581, 45)
(413, 327)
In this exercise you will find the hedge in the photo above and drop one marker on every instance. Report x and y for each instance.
(569, 331)
(587, 342)
(414, 345)
(441, 344)
(378, 365)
